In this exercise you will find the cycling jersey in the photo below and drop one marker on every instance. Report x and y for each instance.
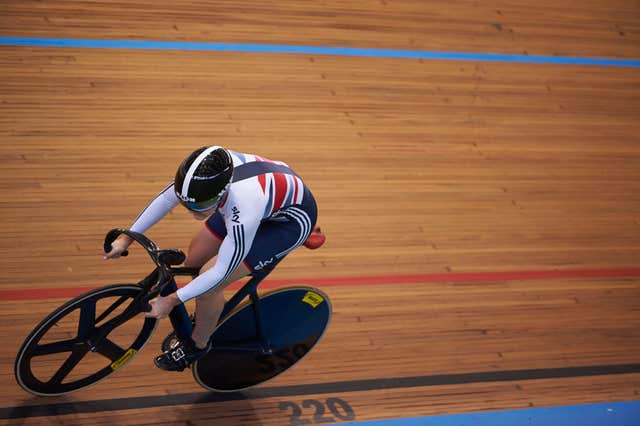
(266, 202)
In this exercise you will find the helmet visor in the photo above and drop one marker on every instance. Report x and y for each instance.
(200, 206)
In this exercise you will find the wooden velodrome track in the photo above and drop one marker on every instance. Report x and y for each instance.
(483, 218)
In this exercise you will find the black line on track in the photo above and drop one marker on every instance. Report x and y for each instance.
(119, 404)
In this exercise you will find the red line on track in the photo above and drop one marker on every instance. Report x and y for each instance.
(450, 277)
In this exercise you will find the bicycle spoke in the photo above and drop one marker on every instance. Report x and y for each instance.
(56, 358)
(87, 318)
(73, 360)
(110, 350)
(54, 348)
(111, 308)
(104, 329)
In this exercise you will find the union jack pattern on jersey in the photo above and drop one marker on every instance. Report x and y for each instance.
(283, 189)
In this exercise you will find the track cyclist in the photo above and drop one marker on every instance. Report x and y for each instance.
(256, 211)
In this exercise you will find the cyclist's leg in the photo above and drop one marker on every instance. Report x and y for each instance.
(202, 254)
(204, 245)
(209, 306)
(272, 242)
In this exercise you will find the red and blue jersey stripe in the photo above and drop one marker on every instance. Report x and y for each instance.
(282, 189)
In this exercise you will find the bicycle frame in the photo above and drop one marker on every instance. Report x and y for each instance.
(250, 289)
(252, 342)
(163, 279)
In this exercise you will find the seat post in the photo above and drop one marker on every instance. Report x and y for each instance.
(246, 290)
(255, 304)
(250, 289)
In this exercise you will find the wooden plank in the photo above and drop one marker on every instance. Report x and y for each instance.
(599, 28)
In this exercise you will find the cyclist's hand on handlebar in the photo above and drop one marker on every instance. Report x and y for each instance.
(162, 306)
(118, 246)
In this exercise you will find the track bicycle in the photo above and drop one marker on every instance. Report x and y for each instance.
(95, 334)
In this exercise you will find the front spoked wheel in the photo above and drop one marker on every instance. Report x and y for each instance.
(294, 320)
(67, 350)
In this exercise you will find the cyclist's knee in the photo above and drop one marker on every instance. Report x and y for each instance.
(213, 295)
(193, 262)
(202, 248)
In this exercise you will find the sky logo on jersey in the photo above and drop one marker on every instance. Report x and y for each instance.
(262, 264)
(235, 214)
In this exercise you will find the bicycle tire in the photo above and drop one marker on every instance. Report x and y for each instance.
(84, 306)
(294, 319)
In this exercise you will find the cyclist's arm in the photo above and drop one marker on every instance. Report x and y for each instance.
(242, 219)
(156, 210)
(233, 250)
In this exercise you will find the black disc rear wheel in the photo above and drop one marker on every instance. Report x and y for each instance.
(61, 354)
(294, 320)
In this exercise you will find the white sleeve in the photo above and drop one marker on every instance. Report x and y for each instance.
(156, 210)
(233, 250)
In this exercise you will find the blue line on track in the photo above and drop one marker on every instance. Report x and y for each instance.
(605, 414)
(312, 50)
